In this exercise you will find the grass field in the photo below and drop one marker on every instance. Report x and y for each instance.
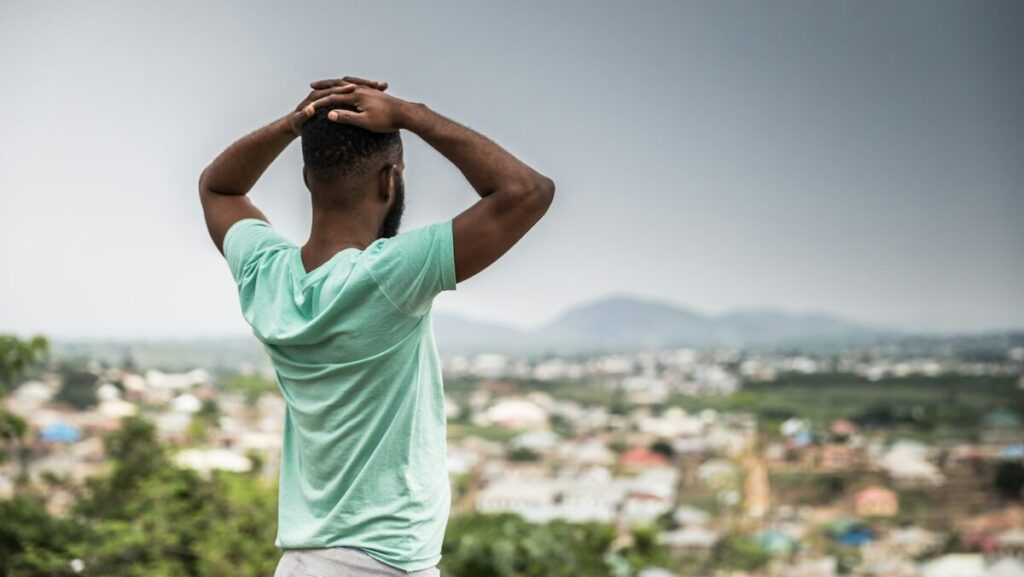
(948, 406)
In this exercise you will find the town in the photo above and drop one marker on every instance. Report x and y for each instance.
(876, 461)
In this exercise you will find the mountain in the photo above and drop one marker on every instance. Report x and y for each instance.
(767, 326)
(459, 333)
(625, 322)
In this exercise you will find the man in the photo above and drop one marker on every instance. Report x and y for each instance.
(345, 318)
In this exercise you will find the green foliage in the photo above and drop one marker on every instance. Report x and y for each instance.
(739, 552)
(520, 454)
(663, 447)
(505, 545)
(203, 422)
(489, 432)
(952, 405)
(154, 527)
(78, 389)
(251, 386)
(134, 452)
(32, 542)
(618, 404)
(12, 432)
(808, 487)
(239, 539)
(17, 355)
(149, 517)
(645, 549)
(1009, 479)
(562, 425)
(464, 384)
(198, 432)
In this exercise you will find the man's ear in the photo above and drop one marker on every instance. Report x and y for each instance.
(388, 182)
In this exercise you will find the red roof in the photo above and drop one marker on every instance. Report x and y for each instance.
(643, 456)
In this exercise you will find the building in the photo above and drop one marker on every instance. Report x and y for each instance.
(876, 501)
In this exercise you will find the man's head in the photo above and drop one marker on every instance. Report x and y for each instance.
(347, 166)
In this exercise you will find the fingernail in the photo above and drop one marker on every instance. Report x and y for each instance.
(333, 115)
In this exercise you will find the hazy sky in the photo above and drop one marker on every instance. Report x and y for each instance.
(859, 158)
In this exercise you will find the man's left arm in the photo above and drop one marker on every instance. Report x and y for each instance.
(224, 184)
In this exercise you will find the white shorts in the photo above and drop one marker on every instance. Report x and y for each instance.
(340, 562)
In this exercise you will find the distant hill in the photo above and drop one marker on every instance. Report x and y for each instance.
(461, 334)
(624, 323)
(618, 323)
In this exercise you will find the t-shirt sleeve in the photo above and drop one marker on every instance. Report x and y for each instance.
(413, 267)
(248, 244)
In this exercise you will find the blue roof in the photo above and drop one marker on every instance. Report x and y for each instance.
(775, 542)
(803, 438)
(60, 432)
(1013, 452)
(855, 536)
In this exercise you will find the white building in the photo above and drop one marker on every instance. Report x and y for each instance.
(516, 414)
(206, 460)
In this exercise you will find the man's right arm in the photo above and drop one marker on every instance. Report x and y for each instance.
(514, 196)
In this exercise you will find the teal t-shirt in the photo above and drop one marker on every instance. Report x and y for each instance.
(363, 461)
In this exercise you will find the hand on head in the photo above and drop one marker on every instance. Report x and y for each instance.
(366, 104)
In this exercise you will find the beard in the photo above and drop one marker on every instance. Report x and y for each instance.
(393, 219)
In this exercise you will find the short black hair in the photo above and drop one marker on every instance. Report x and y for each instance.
(333, 150)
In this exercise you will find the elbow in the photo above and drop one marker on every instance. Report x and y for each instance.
(538, 192)
(550, 187)
(203, 188)
(544, 191)
(545, 187)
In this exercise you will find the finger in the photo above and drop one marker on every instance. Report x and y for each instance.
(299, 119)
(382, 86)
(322, 84)
(333, 90)
(327, 83)
(371, 83)
(348, 98)
(316, 94)
(346, 116)
(312, 102)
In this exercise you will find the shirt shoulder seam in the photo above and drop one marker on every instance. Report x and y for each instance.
(380, 288)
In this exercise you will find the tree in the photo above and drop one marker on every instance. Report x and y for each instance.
(150, 517)
(663, 447)
(12, 432)
(32, 542)
(78, 389)
(251, 386)
(521, 454)
(17, 356)
(505, 545)
(206, 420)
(737, 551)
(239, 539)
(1009, 479)
(645, 549)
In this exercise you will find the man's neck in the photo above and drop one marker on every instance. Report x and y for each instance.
(334, 231)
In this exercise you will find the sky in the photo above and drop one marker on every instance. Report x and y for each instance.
(863, 159)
